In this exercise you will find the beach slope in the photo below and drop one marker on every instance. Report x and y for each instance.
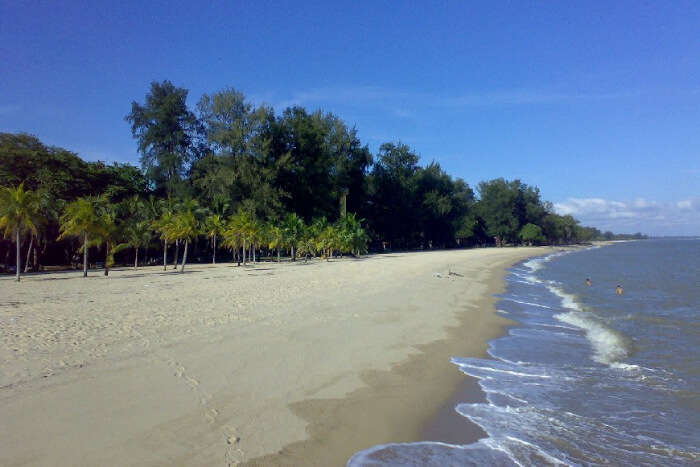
(269, 364)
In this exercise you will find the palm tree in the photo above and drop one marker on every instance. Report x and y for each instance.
(137, 235)
(307, 247)
(353, 238)
(18, 213)
(232, 237)
(164, 226)
(275, 238)
(186, 228)
(49, 210)
(329, 240)
(186, 205)
(137, 226)
(107, 231)
(241, 227)
(318, 232)
(293, 228)
(214, 226)
(257, 233)
(78, 220)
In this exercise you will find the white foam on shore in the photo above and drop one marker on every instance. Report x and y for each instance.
(526, 303)
(466, 366)
(432, 453)
(535, 264)
(567, 300)
(608, 346)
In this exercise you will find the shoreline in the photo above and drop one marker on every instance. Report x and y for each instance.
(416, 396)
(274, 364)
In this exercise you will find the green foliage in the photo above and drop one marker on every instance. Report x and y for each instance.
(531, 233)
(240, 229)
(276, 173)
(61, 174)
(80, 218)
(107, 233)
(293, 228)
(185, 226)
(352, 238)
(274, 236)
(19, 211)
(164, 128)
(214, 225)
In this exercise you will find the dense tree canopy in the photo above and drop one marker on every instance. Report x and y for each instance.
(299, 181)
(164, 128)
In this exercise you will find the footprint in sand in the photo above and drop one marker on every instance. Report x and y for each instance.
(211, 415)
(205, 399)
(234, 454)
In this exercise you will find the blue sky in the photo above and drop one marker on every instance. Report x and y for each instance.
(597, 103)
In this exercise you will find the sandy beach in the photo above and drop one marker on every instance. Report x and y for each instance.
(271, 364)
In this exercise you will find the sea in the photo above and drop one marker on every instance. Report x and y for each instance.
(585, 376)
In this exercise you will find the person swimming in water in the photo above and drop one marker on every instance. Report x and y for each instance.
(618, 290)
(588, 282)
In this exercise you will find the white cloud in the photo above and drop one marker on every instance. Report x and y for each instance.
(638, 215)
(688, 204)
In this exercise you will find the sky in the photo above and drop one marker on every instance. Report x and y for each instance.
(596, 103)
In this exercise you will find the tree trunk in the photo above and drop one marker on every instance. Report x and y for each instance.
(184, 257)
(278, 254)
(29, 252)
(177, 252)
(294, 256)
(107, 259)
(85, 253)
(244, 252)
(213, 255)
(165, 255)
(136, 258)
(19, 259)
(252, 248)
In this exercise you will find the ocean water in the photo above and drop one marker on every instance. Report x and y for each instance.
(586, 377)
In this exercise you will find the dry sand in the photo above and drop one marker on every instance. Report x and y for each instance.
(276, 364)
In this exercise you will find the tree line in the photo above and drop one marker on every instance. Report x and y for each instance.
(228, 175)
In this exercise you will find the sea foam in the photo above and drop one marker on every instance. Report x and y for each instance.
(608, 346)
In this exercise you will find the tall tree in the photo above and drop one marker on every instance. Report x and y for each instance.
(497, 207)
(393, 195)
(164, 128)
